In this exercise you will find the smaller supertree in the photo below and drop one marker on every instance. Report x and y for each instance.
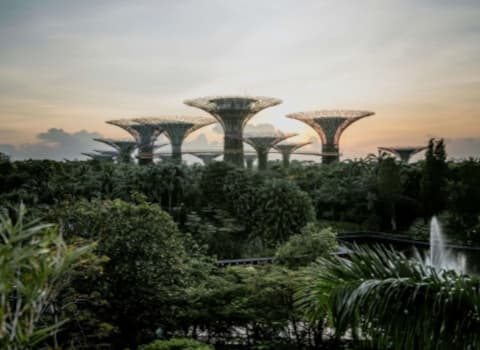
(125, 148)
(207, 157)
(112, 153)
(286, 149)
(262, 143)
(329, 125)
(249, 159)
(176, 128)
(99, 157)
(145, 135)
(404, 153)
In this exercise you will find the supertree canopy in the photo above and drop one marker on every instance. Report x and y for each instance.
(233, 113)
(125, 148)
(113, 153)
(286, 149)
(329, 125)
(262, 144)
(99, 157)
(404, 153)
(145, 135)
(176, 128)
(207, 157)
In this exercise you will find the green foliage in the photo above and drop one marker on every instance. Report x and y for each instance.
(221, 235)
(176, 344)
(281, 209)
(389, 186)
(434, 179)
(35, 264)
(304, 248)
(397, 303)
(257, 300)
(147, 267)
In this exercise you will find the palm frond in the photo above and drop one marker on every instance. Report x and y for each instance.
(396, 302)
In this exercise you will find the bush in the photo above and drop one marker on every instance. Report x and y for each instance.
(176, 344)
(148, 266)
(281, 209)
(304, 248)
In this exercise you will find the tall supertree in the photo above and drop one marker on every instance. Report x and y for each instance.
(99, 157)
(249, 159)
(262, 144)
(145, 135)
(286, 149)
(329, 125)
(233, 113)
(176, 128)
(404, 153)
(125, 148)
(207, 157)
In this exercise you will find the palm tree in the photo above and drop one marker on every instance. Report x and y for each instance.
(393, 302)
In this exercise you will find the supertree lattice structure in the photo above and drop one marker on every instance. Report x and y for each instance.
(99, 157)
(262, 144)
(249, 159)
(176, 128)
(404, 153)
(145, 136)
(329, 125)
(207, 157)
(286, 149)
(125, 148)
(233, 113)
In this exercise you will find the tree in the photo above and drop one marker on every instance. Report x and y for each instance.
(280, 210)
(148, 265)
(396, 302)
(304, 248)
(435, 172)
(389, 187)
(35, 264)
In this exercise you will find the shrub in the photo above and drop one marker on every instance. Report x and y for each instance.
(176, 344)
(304, 248)
(280, 210)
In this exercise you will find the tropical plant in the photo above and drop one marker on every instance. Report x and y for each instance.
(35, 264)
(148, 264)
(306, 247)
(393, 302)
(280, 210)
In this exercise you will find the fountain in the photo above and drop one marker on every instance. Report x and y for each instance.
(439, 256)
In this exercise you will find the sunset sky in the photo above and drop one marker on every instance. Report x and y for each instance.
(71, 65)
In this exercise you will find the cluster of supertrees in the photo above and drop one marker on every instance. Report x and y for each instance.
(233, 113)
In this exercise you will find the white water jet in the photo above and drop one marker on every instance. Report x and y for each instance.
(440, 257)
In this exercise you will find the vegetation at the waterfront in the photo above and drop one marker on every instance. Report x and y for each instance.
(128, 258)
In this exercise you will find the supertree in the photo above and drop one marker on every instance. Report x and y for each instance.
(125, 148)
(176, 128)
(329, 125)
(99, 157)
(233, 113)
(207, 157)
(286, 149)
(404, 153)
(249, 159)
(144, 135)
(262, 144)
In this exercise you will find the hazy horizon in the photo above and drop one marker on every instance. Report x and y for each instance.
(67, 67)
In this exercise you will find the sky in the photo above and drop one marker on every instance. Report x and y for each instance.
(68, 66)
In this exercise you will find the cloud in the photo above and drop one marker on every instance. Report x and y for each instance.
(462, 148)
(54, 144)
